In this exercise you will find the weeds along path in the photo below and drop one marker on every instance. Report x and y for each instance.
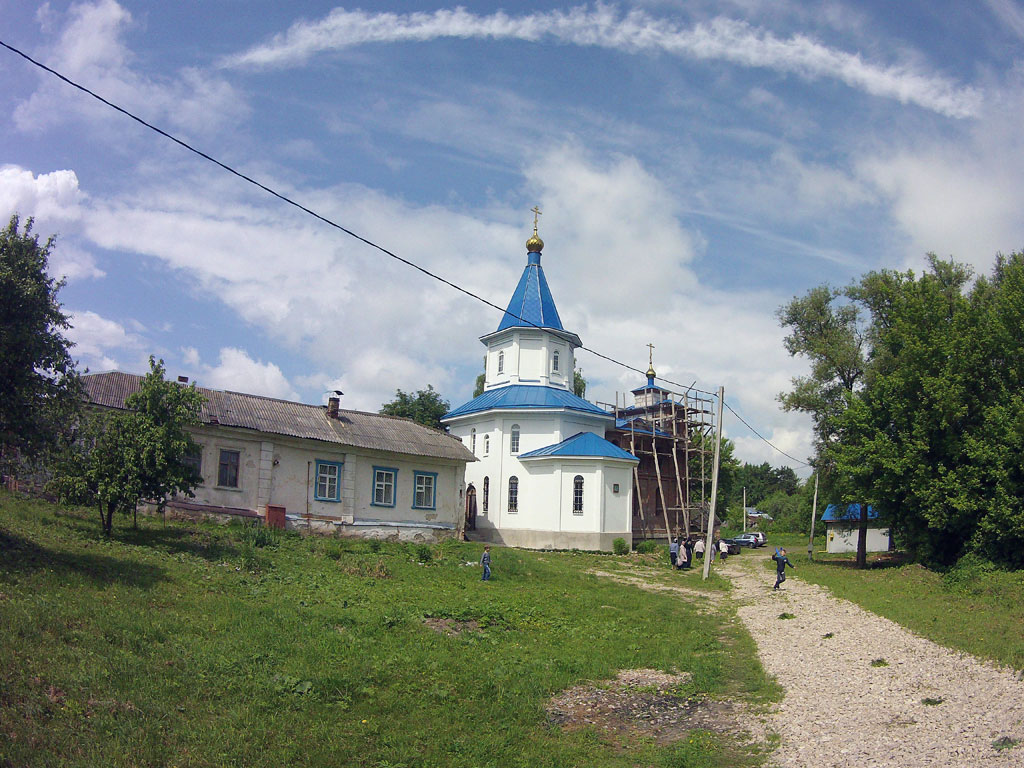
(861, 690)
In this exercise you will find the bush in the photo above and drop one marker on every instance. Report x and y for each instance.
(424, 554)
(620, 547)
(647, 546)
(374, 545)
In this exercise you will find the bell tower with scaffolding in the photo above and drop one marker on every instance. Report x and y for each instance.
(672, 434)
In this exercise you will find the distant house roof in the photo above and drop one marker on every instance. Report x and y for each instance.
(526, 396)
(581, 445)
(834, 513)
(357, 429)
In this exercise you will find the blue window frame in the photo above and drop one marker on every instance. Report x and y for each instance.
(327, 481)
(424, 495)
(384, 481)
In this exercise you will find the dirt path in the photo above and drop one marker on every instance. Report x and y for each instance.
(841, 711)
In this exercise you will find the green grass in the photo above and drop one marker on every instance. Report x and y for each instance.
(198, 645)
(973, 608)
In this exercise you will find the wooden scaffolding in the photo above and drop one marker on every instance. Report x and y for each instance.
(673, 436)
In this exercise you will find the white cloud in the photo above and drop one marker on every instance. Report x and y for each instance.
(102, 344)
(91, 50)
(721, 39)
(959, 196)
(238, 372)
(53, 199)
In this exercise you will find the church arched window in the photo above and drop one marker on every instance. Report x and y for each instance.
(487, 491)
(501, 362)
(554, 362)
(487, 444)
(514, 441)
(513, 494)
(472, 440)
(577, 495)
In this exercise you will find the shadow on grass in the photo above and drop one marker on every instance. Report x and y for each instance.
(875, 562)
(20, 555)
(208, 545)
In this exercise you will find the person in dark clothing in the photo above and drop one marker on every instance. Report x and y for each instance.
(781, 561)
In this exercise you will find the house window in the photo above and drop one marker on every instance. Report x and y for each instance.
(501, 362)
(384, 486)
(194, 462)
(487, 444)
(227, 469)
(513, 494)
(425, 495)
(554, 362)
(487, 491)
(472, 441)
(577, 495)
(328, 481)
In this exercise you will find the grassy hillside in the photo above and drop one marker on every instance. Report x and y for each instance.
(193, 645)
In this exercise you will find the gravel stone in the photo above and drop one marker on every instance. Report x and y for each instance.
(840, 711)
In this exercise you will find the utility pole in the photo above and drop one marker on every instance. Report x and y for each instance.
(744, 509)
(709, 542)
(814, 516)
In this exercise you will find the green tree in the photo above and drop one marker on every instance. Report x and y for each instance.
(425, 407)
(40, 391)
(119, 458)
(481, 380)
(933, 436)
(579, 384)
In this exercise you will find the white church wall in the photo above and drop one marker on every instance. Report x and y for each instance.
(618, 505)
(590, 517)
(532, 358)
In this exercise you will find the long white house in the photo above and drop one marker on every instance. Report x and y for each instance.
(546, 477)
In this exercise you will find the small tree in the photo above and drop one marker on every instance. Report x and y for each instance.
(120, 458)
(425, 407)
(39, 388)
(579, 384)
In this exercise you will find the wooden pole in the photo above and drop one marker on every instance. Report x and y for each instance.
(814, 516)
(661, 491)
(714, 488)
(744, 510)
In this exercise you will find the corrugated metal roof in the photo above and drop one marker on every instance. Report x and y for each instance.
(581, 445)
(851, 514)
(357, 429)
(532, 300)
(526, 396)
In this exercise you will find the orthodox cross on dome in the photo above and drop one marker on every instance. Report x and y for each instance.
(535, 244)
(650, 362)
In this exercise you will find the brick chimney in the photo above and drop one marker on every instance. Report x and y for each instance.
(332, 407)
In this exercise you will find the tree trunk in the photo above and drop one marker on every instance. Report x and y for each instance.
(862, 538)
(108, 522)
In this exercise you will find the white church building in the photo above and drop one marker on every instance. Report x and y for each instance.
(546, 477)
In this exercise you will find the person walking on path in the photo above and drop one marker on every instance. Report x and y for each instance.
(673, 551)
(723, 549)
(781, 561)
(698, 548)
(485, 561)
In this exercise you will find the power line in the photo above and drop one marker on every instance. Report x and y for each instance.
(349, 232)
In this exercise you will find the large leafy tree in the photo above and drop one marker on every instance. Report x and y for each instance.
(425, 407)
(39, 387)
(120, 458)
(933, 435)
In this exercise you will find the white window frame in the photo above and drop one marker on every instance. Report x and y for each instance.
(577, 495)
(513, 443)
(487, 444)
(513, 495)
(424, 493)
(332, 475)
(384, 479)
(554, 362)
(501, 361)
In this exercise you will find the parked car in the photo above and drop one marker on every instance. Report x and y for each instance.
(747, 540)
(734, 546)
(761, 537)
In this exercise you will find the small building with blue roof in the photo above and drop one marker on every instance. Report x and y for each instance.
(546, 477)
(842, 528)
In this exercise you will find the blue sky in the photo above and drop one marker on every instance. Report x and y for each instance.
(697, 164)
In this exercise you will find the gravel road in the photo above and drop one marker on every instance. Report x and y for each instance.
(841, 711)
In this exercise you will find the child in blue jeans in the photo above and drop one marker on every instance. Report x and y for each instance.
(485, 561)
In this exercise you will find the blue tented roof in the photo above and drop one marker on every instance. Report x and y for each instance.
(643, 429)
(531, 304)
(526, 396)
(850, 514)
(582, 444)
